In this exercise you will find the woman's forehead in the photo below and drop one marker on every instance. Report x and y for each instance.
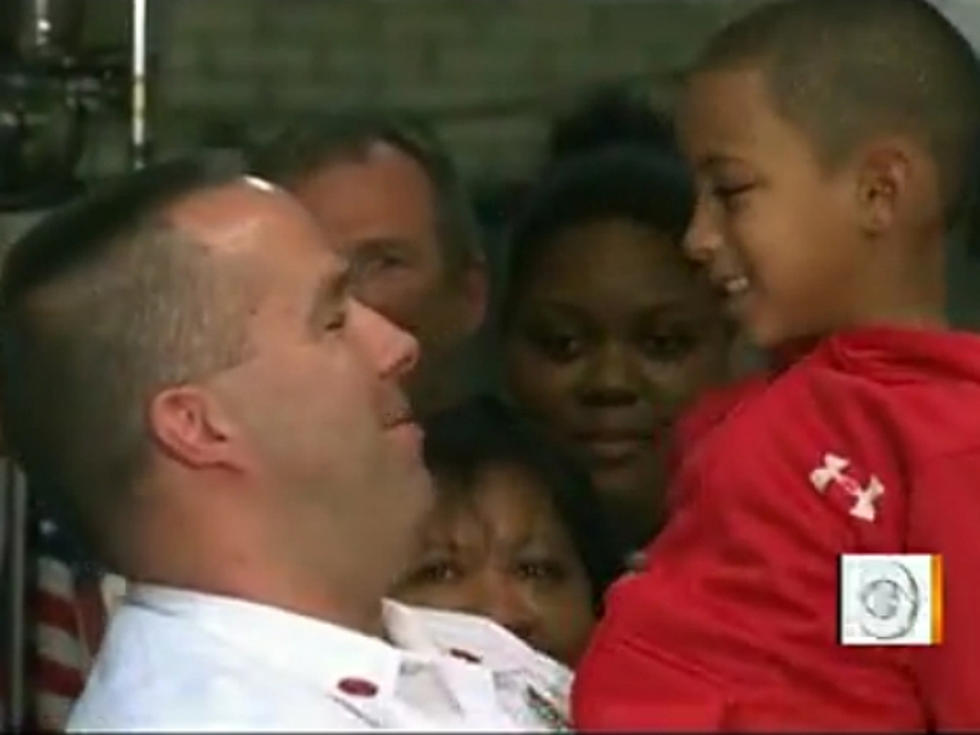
(503, 497)
(617, 281)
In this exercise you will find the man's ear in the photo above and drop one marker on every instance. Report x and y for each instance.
(190, 426)
(884, 180)
(475, 292)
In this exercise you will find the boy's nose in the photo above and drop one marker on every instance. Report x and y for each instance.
(702, 239)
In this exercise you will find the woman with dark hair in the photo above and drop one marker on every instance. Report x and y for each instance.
(514, 535)
(608, 332)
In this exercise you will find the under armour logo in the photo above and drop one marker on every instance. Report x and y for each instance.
(832, 473)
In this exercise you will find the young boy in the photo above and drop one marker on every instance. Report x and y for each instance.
(834, 146)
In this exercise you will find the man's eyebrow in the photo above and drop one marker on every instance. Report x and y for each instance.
(381, 243)
(386, 240)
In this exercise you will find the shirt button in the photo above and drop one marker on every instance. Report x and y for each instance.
(357, 687)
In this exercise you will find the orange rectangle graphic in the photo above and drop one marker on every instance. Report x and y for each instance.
(937, 599)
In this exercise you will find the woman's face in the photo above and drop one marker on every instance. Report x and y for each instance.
(500, 550)
(611, 336)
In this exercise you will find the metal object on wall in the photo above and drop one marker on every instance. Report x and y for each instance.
(30, 28)
(138, 140)
(48, 89)
(39, 139)
(13, 572)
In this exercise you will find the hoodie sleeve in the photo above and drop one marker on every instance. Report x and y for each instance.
(944, 513)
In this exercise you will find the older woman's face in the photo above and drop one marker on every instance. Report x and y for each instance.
(503, 552)
(611, 336)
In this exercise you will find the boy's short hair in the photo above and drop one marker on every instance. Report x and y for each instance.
(302, 147)
(462, 441)
(845, 71)
(646, 184)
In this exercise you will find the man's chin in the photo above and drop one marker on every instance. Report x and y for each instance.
(409, 437)
(416, 489)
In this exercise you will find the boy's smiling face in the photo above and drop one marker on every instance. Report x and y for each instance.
(778, 233)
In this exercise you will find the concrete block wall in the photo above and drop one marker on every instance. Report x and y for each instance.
(490, 73)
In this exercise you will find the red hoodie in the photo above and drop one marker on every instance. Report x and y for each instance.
(733, 624)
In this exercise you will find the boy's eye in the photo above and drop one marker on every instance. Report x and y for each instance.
(728, 194)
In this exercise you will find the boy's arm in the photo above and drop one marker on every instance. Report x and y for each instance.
(944, 518)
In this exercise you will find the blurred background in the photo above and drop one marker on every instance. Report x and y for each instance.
(490, 76)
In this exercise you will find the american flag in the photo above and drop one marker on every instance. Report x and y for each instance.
(56, 603)
(69, 602)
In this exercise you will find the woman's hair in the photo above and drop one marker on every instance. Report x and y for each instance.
(645, 184)
(609, 114)
(462, 441)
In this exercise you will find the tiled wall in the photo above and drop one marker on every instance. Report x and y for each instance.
(490, 72)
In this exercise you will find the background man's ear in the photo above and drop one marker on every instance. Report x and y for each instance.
(475, 289)
(190, 426)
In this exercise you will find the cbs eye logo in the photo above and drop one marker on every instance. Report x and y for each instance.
(890, 599)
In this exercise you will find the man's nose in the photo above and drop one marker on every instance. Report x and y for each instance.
(393, 352)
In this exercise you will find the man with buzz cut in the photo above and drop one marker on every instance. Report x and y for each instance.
(185, 367)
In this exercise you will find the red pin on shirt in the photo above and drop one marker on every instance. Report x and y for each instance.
(357, 687)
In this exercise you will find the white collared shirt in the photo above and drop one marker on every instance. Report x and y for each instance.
(175, 659)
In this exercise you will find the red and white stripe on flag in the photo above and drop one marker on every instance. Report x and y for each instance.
(69, 617)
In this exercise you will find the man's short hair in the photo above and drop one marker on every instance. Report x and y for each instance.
(301, 148)
(845, 71)
(102, 304)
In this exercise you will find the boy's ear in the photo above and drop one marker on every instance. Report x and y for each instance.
(884, 179)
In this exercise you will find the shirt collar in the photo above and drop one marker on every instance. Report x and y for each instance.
(320, 652)
(506, 657)
(469, 637)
